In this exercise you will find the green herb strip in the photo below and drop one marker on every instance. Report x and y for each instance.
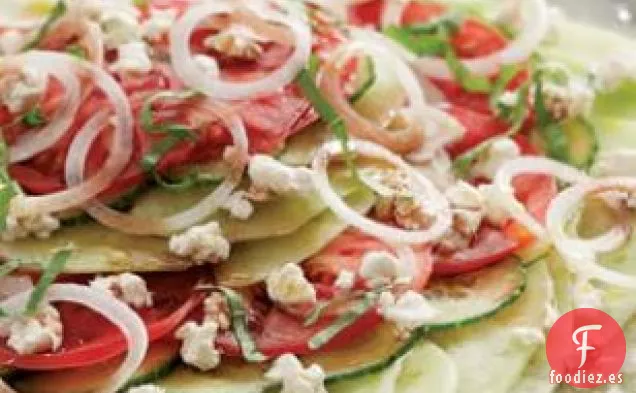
(344, 321)
(34, 118)
(419, 45)
(77, 51)
(53, 269)
(58, 11)
(556, 140)
(8, 188)
(316, 314)
(335, 123)
(6, 269)
(239, 326)
(368, 83)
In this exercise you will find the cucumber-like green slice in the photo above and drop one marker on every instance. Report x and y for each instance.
(276, 217)
(251, 262)
(302, 147)
(468, 298)
(161, 359)
(427, 367)
(492, 355)
(378, 382)
(96, 250)
(535, 377)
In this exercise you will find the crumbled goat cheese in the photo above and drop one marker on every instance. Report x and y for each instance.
(468, 207)
(619, 162)
(27, 87)
(11, 42)
(379, 268)
(197, 349)
(239, 205)
(31, 335)
(494, 210)
(288, 286)
(500, 151)
(575, 98)
(237, 41)
(439, 170)
(159, 23)
(345, 280)
(147, 389)
(120, 27)
(204, 243)
(294, 378)
(614, 70)
(133, 57)
(216, 309)
(409, 312)
(20, 224)
(266, 173)
(127, 287)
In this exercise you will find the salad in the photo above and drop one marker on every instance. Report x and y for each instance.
(308, 196)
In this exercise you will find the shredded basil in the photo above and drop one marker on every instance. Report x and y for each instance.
(421, 45)
(76, 51)
(470, 82)
(239, 323)
(34, 118)
(367, 84)
(316, 314)
(190, 180)
(56, 13)
(8, 188)
(53, 269)
(335, 123)
(6, 269)
(322, 338)
(551, 130)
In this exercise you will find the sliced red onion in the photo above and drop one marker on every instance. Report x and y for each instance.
(121, 149)
(531, 165)
(192, 74)
(36, 141)
(129, 224)
(581, 254)
(536, 24)
(426, 193)
(115, 311)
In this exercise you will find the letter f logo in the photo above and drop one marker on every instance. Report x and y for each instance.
(584, 348)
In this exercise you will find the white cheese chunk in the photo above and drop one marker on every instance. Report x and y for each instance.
(127, 287)
(266, 173)
(379, 268)
(238, 40)
(20, 223)
(494, 209)
(133, 57)
(294, 378)
(28, 86)
(202, 244)
(159, 23)
(239, 205)
(197, 349)
(346, 280)
(288, 286)
(410, 311)
(31, 335)
(500, 151)
(120, 27)
(215, 308)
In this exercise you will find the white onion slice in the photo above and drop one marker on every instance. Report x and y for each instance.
(115, 311)
(531, 165)
(423, 189)
(536, 24)
(195, 77)
(36, 141)
(581, 254)
(132, 225)
(403, 140)
(393, 11)
(120, 153)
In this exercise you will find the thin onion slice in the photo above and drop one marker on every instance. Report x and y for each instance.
(36, 141)
(403, 140)
(132, 225)
(581, 254)
(195, 77)
(531, 165)
(116, 312)
(120, 153)
(424, 190)
(536, 24)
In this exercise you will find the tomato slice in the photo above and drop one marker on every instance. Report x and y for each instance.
(489, 247)
(90, 339)
(479, 127)
(345, 253)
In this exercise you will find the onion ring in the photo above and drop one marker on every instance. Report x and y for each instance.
(192, 74)
(443, 219)
(118, 313)
(132, 225)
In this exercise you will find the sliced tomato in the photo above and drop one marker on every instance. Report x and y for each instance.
(536, 192)
(479, 127)
(490, 246)
(346, 252)
(90, 339)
